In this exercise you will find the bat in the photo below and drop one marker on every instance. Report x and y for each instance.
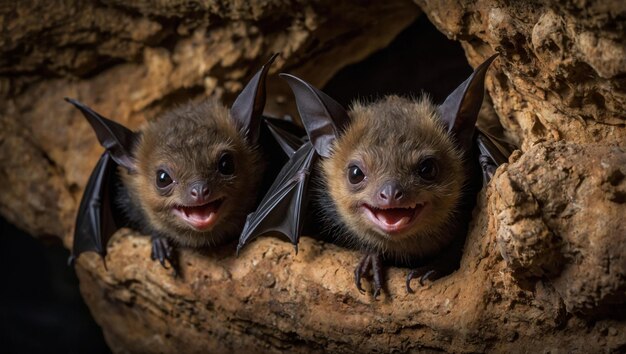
(188, 179)
(396, 178)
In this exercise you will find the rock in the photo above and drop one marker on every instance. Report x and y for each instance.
(564, 221)
(561, 72)
(273, 299)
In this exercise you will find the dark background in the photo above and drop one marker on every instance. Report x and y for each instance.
(41, 310)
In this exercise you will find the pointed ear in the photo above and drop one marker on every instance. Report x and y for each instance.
(460, 109)
(113, 136)
(248, 107)
(323, 117)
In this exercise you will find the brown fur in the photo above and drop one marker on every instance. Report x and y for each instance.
(188, 141)
(388, 138)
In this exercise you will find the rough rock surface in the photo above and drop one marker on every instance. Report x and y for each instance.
(487, 305)
(545, 262)
(584, 257)
(563, 76)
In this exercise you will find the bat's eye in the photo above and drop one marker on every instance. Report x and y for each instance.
(226, 164)
(428, 169)
(355, 175)
(163, 179)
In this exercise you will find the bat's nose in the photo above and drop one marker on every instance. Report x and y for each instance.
(200, 192)
(390, 193)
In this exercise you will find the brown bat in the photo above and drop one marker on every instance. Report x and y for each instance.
(393, 186)
(190, 183)
(187, 179)
(396, 178)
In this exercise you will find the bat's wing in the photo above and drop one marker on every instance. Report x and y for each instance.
(323, 117)
(278, 140)
(492, 152)
(283, 208)
(98, 216)
(284, 205)
(286, 134)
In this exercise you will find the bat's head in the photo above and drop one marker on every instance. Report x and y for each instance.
(395, 172)
(195, 173)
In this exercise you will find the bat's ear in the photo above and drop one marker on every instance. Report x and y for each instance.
(323, 117)
(460, 109)
(248, 107)
(113, 136)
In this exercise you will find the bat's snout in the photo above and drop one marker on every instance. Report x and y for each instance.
(199, 192)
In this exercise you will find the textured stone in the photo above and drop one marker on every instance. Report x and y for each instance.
(271, 298)
(564, 221)
(562, 66)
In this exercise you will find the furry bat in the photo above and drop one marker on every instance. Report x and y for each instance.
(189, 178)
(397, 178)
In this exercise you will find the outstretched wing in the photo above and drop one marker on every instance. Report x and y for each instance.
(284, 205)
(98, 217)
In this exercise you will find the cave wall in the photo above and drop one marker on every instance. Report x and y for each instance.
(563, 76)
(544, 264)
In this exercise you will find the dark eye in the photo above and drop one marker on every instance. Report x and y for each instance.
(226, 164)
(163, 179)
(355, 175)
(428, 169)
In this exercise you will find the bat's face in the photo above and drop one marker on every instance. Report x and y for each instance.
(395, 173)
(197, 176)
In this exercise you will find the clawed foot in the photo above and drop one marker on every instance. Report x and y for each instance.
(162, 251)
(373, 262)
(423, 274)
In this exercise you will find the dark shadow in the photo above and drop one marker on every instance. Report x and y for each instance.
(420, 59)
(41, 310)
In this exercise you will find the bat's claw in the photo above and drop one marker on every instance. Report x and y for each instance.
(361, 269)
(377, 272)
(423, 276)
(358, 284)
(373, 262)
(162, 251)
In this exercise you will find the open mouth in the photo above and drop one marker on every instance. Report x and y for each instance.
(200, 217)
(393, 220)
